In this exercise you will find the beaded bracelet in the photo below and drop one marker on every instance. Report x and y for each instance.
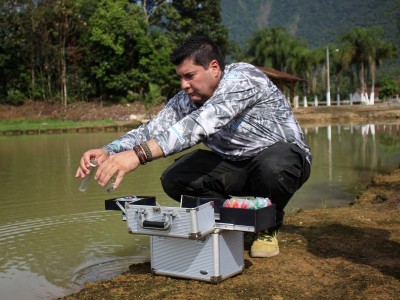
(140, 154)
(147, 151)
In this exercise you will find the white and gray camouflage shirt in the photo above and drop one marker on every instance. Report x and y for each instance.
(246, 114)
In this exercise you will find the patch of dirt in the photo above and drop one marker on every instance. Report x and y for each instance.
(346, 114)
(126, 116)
(351, 252)
(89, 111)
(78, 111)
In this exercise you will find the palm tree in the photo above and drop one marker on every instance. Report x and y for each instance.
(381, 50)
(316, 59)
(366, 47)
(356, 41)
(343, 67)
(303, 67)
(274, 48)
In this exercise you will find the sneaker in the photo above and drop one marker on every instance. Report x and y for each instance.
(265, 244)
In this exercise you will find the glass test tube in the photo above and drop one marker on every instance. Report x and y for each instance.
(85, 181)
(110, 184)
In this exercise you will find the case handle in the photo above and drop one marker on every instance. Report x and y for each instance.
(155, 225)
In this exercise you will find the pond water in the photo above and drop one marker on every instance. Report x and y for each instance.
(54, 238)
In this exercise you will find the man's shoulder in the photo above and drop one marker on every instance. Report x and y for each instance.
(243, 71)
(239, 66)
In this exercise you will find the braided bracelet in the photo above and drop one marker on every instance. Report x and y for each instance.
(147, 151)
(140, 154)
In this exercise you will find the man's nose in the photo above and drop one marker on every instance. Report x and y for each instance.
(185, 85)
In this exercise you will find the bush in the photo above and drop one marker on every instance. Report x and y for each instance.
(389, 88)
(15, 97)
(153, 96)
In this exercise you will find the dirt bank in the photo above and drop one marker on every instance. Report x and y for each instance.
(78, 111)
(84, 111)
(346, 114)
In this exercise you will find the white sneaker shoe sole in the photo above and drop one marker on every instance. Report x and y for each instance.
(261, 254)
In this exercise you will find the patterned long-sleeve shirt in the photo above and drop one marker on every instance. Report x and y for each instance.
(246, 114)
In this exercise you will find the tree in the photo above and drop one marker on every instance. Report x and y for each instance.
(41, 38)
(342, 66)
(124, 57)
(196, 17)
(275, 48)
(14, 22)
(113, 29)
(315, 58)
(389, 88)
(66, 25)
(380, 51)
(366, 47)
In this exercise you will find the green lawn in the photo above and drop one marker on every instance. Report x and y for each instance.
(43, 124)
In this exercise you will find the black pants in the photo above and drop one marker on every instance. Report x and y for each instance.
(277, 173)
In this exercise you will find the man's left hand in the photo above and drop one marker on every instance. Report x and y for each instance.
(118, 164)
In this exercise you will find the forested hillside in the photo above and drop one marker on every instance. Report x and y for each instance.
(318, 22)
(315, 24)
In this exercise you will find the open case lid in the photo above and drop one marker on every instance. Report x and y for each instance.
(191, 202)
(119, 203)
(251, 220)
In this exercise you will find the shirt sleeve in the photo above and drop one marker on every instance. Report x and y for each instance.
(169, 115)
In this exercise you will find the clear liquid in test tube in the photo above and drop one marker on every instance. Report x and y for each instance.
(110, 185)
(85, 181)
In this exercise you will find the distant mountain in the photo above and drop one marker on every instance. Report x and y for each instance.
(319, 22)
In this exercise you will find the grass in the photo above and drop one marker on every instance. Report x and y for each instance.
(45, 124)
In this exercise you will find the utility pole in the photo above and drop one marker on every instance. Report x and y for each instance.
(328, 81)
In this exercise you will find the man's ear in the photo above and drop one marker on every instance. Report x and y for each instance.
(215, 68)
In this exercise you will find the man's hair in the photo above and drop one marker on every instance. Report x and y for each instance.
(201, 50)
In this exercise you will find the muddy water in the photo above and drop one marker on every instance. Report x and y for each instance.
(54, 238)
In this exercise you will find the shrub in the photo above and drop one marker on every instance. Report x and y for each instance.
(389, 88)
(15, 97)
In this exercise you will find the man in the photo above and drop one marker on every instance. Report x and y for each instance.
(257, 147)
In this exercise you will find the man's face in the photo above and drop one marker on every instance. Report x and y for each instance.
(197, 82)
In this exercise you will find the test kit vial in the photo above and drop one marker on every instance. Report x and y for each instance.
(85, 181)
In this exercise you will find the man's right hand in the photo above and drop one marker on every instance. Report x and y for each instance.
(99, 155)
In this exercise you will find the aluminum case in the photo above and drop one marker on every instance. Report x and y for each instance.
(199, 240)
(214, 258)
(179, 222)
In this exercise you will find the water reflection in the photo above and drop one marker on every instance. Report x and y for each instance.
(53, 238)
(345, 157)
